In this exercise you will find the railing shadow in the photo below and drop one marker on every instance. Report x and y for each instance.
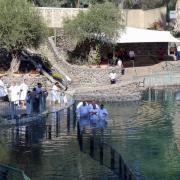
(92, 143)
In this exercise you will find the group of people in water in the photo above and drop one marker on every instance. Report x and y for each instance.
(90, 114)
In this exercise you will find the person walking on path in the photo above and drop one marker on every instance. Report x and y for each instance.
(113, 77)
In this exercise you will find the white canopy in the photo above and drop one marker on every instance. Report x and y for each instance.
(136, 35)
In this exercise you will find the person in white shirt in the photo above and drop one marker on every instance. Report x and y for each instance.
(80, 104)
(113, 77)
(3, 90)
(131, 55)
(23, 93)
(14, 93)
(119, 62)
(103, 115)
(92, 103)
(55, 96)
(93, 113)
(83, 114)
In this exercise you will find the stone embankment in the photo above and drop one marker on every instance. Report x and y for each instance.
(31, 80)
(127, 91)
(90, 83)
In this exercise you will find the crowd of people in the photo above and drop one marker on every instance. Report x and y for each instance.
(91, 114)
(33, 100)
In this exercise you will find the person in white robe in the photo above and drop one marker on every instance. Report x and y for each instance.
(65, 99)
(14, 93)
(83, 115)
(55, 95)
(92, 103)
(3, 90)
(103, 116)
(80, 104)
(113, 77)
(23, 93)
(94, 116)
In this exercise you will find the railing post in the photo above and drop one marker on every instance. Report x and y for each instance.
(57, 123)
(101, 153)
(27, 134)
(68, 118)
(120, 166)
(49, 132)
(125, 172)
(112, 159)
(12, 109)
(74, 114)
(92, 146)
(80, 137)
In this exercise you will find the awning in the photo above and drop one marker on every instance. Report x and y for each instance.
(137, 35)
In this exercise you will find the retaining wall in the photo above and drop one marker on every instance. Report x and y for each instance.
(133, 17)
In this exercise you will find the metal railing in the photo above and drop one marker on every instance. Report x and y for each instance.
(12, 110)
(94, 145)
(91, 141)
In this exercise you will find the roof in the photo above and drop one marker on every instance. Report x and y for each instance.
(137, 35)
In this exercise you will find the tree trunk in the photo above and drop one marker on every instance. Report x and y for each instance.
(15, 63)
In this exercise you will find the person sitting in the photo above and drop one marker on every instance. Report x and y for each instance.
(112, 77)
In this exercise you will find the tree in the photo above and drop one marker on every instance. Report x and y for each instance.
(20, 27)
(101, 21)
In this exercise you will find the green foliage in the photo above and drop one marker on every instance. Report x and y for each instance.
(101, 21)
(98, 54)
(21, 25)
(57, 76)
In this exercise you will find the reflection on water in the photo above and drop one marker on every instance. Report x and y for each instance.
(48, 149)
(147, 134)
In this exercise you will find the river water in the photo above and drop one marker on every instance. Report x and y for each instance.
(146, 134)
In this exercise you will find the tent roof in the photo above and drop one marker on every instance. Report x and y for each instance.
(137, 35)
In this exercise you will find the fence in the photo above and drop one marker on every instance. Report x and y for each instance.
(13, 110)
(91, 142)
(94, 145)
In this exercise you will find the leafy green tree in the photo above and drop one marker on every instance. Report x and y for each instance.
(21, 26)
(101, 21)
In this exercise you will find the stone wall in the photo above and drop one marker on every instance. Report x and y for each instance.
(125, 91)
(134, 18)
(177, 24)
(31, 80)
(85, 75)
